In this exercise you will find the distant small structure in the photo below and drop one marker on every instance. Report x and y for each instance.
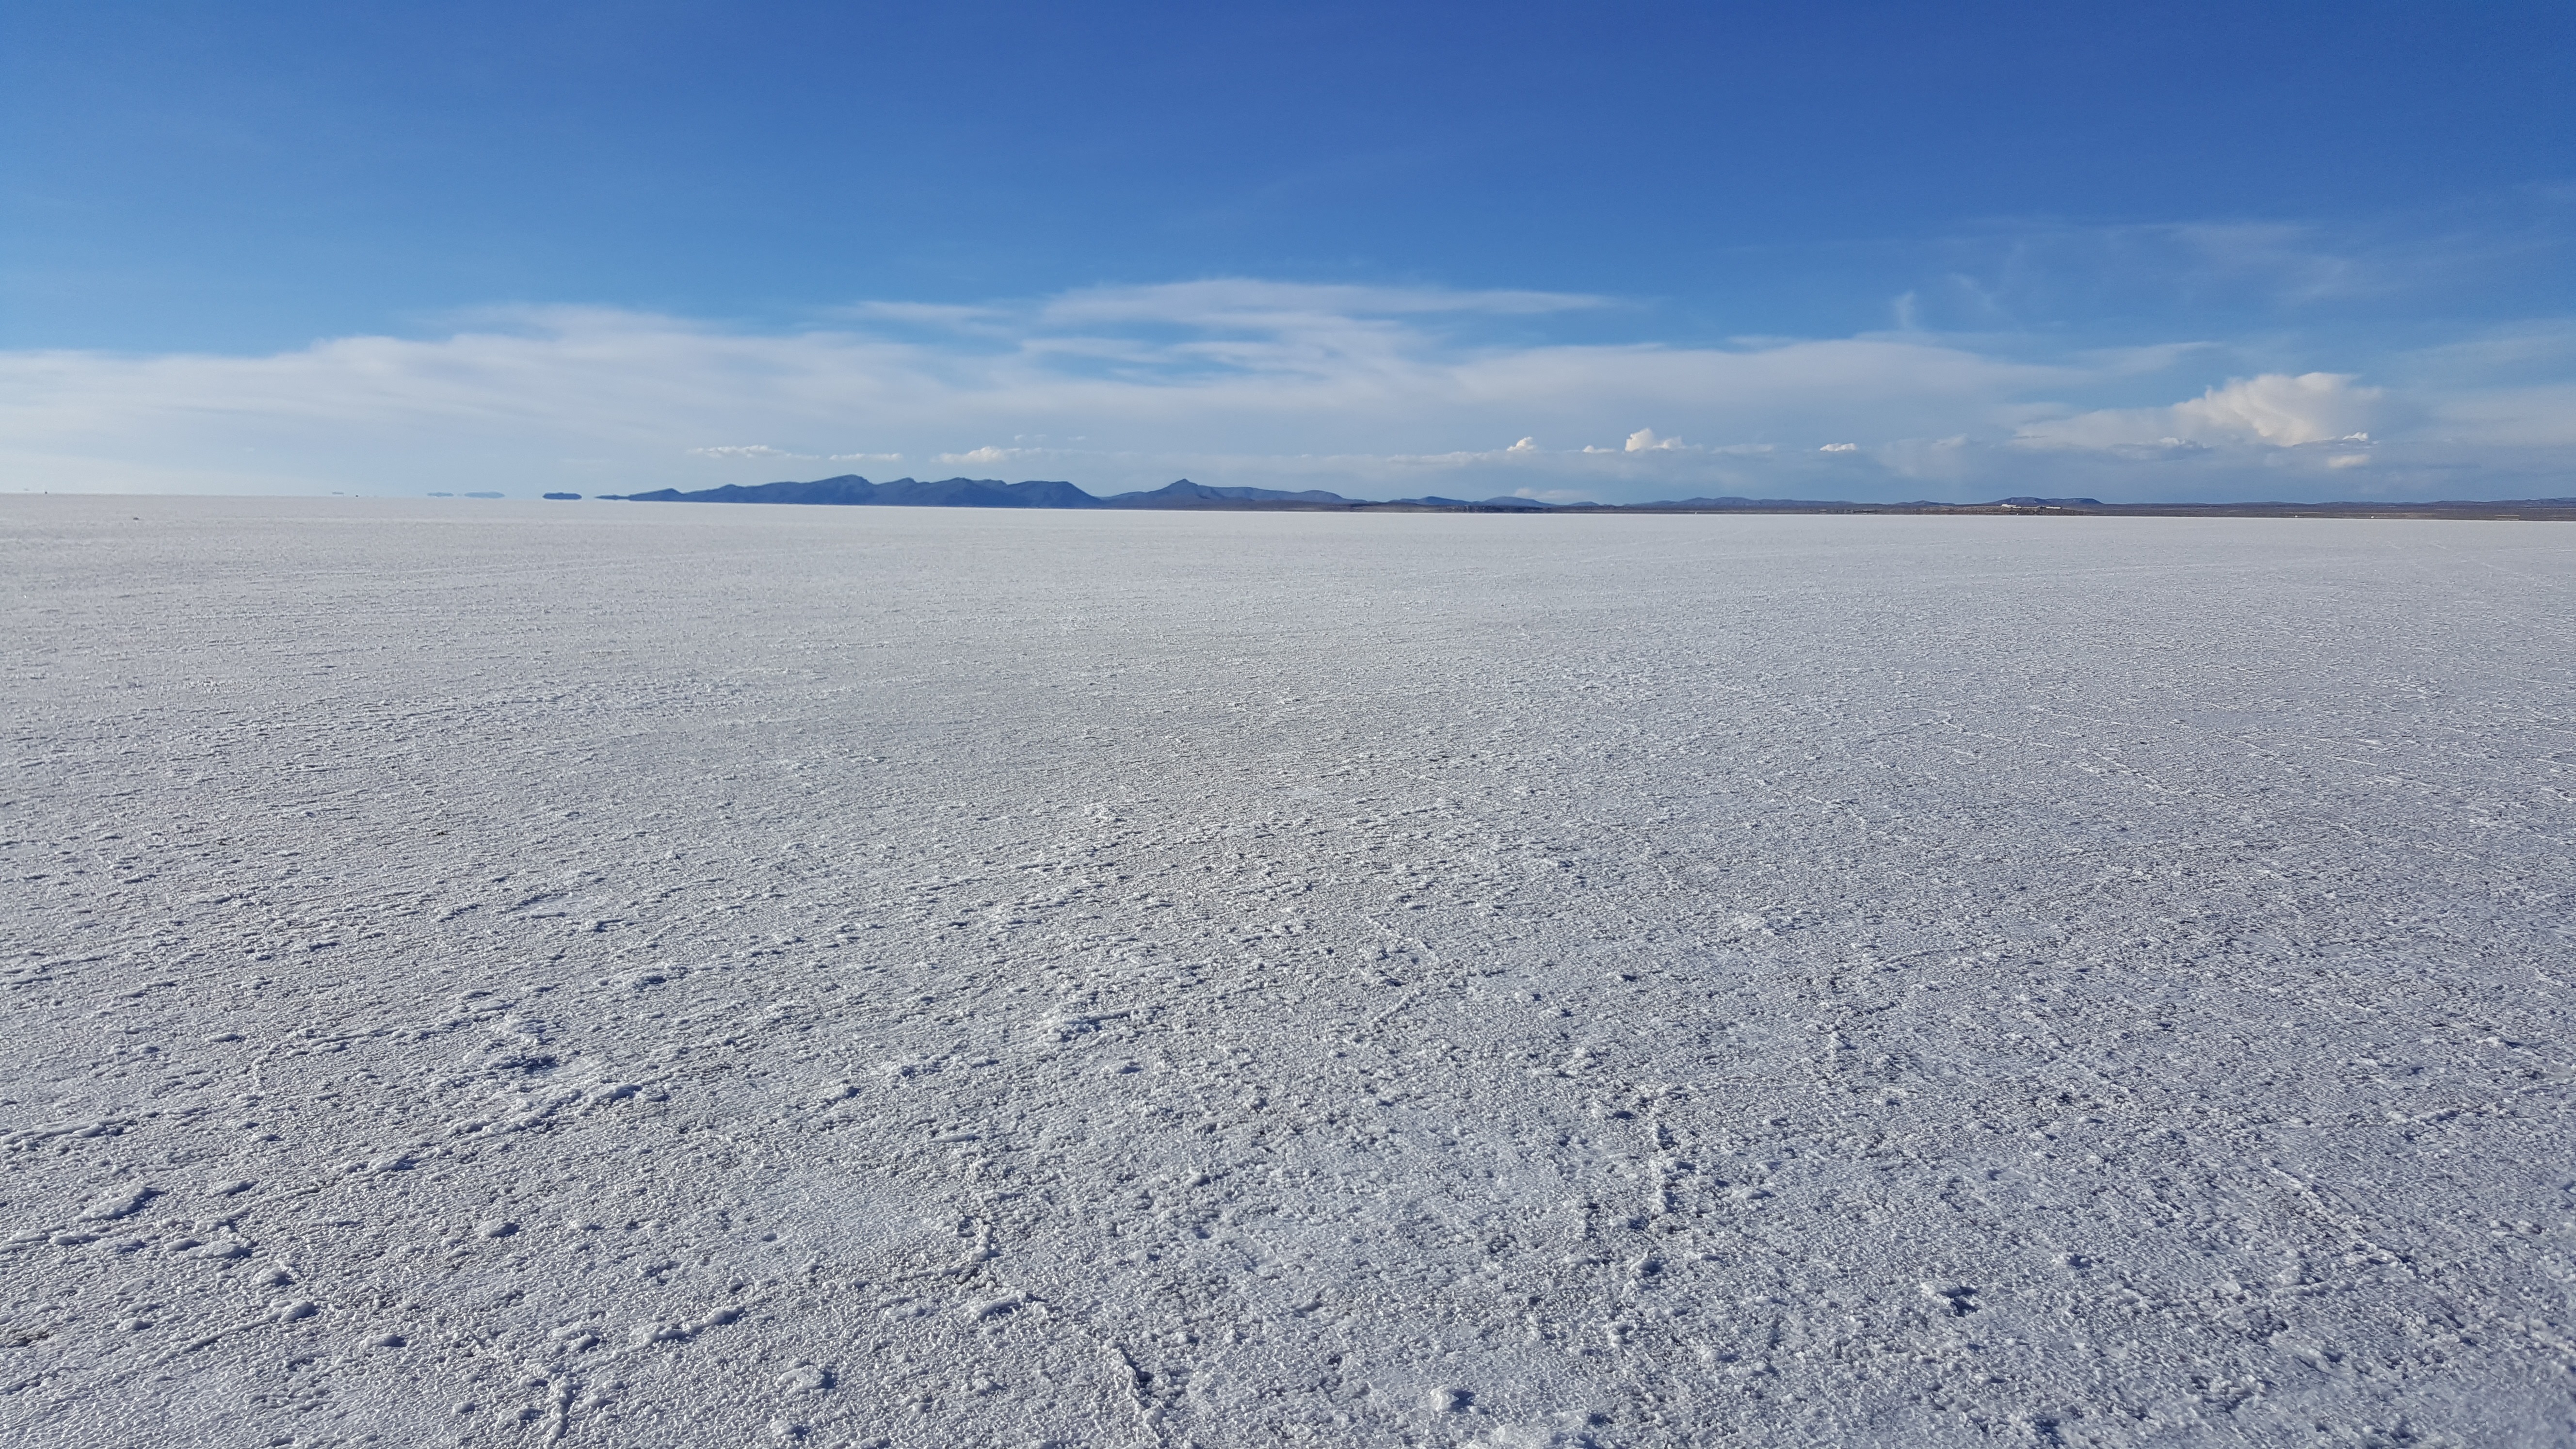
(564, 495)
(484, 495)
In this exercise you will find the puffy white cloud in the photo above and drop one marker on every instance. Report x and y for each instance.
(2278, 409)
(2273, 409)
(1644, 441)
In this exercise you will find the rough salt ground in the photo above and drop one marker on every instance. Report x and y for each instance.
(508, 974)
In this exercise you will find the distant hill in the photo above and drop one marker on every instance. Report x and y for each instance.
(851, 489)
(1487, 505)
(1186, 494)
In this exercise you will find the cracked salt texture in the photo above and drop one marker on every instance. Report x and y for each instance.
(927, 978)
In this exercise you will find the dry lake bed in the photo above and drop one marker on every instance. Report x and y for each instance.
(611, 974)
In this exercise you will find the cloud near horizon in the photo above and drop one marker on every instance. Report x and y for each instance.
(2273, 409)
(1371, 391)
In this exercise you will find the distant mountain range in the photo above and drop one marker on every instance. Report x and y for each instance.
(852, 490)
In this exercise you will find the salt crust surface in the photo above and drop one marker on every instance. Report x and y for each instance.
(514, 974)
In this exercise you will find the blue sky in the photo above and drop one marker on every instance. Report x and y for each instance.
(1605, 251)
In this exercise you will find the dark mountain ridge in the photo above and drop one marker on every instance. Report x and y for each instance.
(850, 489)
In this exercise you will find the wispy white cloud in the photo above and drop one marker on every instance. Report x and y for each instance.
(2477, 256)
(989, 455)
(1358, 388)
(1240, 301)
(2298, 264)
